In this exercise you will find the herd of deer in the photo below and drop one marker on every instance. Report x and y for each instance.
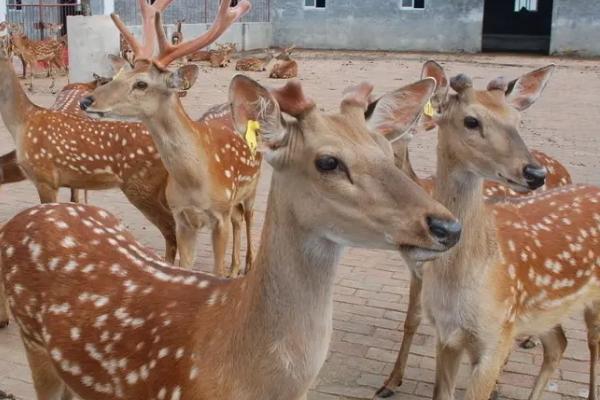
(103, 317)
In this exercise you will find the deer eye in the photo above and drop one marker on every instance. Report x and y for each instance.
(141, 85)
(327, 163)
(471, 122)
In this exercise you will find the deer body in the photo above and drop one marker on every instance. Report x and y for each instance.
(522, 265)
(495, 194)
(57, 149)
(142, 329)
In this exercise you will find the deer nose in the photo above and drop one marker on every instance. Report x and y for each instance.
(534, 175)
(446, 231)
(86, 102)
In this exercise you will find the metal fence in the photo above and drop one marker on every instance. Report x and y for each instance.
(192, 11)
(34, 18)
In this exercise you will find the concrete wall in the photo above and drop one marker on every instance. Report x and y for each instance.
(576, 28)
(2, 10)
(85, 59)
(246, 35)
(380, 25)
(100, 30)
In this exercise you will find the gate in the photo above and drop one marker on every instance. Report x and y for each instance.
(34, 17)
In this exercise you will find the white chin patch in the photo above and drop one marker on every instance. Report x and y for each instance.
(111, 117)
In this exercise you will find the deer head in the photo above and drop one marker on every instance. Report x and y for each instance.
(341, 166)
(481, 127)
(141, 90)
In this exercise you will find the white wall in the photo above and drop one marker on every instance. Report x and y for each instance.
(2, 10)
(86, 59)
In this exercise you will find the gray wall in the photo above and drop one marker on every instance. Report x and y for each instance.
(444, 25)
(576, 28)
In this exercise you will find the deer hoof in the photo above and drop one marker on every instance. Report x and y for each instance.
(383, 393)
(3, 324)
(528, 343)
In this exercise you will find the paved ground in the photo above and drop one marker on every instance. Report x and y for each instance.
(372, 287)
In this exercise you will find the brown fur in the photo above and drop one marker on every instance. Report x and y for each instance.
(119, 322)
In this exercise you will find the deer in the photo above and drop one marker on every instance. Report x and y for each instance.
(32, 52)
(284, 67)
(510, 274)
(213, 173)
(177, 36)
(494, 192)
(254, 64)
(105, 330)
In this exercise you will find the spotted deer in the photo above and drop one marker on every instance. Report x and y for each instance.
(521, 266)
(494, 192)
(255, 64)
(58, 149)
(212, 172)
(284, 67)
(34, 51)
(120, 323)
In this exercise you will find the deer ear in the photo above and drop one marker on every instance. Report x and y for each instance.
(184, 78)
(117, 63)
(396, 112)
(523, 92)
(432, 69)
(252, 102)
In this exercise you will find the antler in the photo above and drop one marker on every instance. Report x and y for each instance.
(225, 18)
(143, 50)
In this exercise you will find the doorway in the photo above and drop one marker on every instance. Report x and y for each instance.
(517, 25)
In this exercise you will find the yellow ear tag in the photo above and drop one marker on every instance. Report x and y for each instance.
(251, 135)
(428, 109)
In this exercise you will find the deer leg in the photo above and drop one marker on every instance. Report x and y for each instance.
(487, 363)
(220, 236)
(74, 196)
(46, 381)
(85, 197)
(3, 308)
(592, 321)
(447, 362)
(47, 193)
(554, 343)
(411, 324)
(236, 223)
(186, 240)
(248, 218)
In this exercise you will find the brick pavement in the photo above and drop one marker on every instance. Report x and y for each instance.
(371, 290)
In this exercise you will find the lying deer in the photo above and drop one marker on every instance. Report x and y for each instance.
(120, 323)
(213, 173)
(254, 64)
(521, 267)
(493, 191)
(284, 67)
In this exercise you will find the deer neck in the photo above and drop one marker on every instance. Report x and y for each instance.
(176, 137)
(461, 191)
(15, 106)
(289, 312)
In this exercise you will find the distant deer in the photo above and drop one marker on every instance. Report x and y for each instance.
(284, 67)
(213, 182)
(102, 317)
(34, 51)
(494, 192)
(177, 36)
(255, 64)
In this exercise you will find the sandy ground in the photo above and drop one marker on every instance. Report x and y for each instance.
(371, 288)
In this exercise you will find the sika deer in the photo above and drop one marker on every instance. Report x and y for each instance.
(212, 172)
(120, 323)
(521, 266)
(494, 192)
